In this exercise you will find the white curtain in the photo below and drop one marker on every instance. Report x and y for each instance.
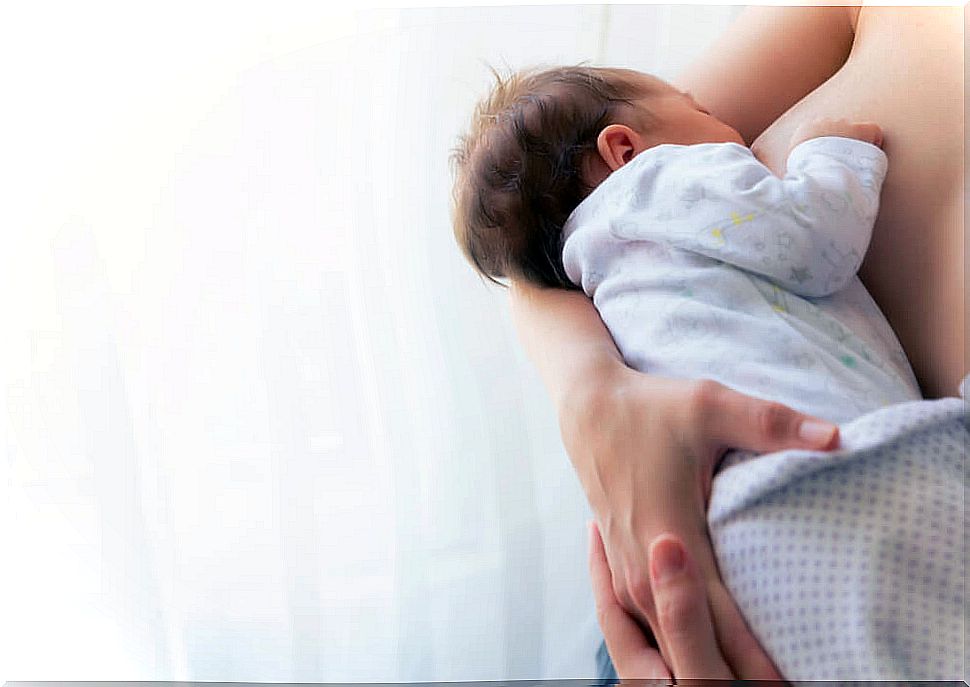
(259, 419)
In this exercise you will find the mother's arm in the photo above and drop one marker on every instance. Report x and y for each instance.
(645, 447)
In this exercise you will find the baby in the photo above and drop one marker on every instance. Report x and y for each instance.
(700, 261)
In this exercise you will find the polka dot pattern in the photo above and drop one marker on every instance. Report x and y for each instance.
(850, 565)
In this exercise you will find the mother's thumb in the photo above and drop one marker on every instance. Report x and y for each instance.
(745, 422)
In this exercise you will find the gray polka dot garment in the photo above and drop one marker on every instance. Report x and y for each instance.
(851, 565)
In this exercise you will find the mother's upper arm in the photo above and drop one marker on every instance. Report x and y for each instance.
(768, 60)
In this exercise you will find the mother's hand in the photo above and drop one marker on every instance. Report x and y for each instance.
(645, 449)
(684, 616)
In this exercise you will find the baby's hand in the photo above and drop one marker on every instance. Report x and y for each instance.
(870, 132)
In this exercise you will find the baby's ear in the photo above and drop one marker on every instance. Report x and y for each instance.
(618, 144)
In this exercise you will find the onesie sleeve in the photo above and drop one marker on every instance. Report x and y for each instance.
(806, 232)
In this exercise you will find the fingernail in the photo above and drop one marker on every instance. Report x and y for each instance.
(667, 560)
(816, 432)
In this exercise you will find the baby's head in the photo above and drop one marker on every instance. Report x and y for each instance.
(540, 142)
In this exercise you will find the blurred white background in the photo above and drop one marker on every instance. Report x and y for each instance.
(259, 420)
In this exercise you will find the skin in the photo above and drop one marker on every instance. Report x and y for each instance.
(674, 117)
(683, 615)
(794, 65)
(919, 231)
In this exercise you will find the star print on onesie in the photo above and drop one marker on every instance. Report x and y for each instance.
(764, 259)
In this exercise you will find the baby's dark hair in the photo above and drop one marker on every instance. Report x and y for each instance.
(519, 169)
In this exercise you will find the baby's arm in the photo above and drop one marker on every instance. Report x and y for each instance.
(806, 232)
(818, 218)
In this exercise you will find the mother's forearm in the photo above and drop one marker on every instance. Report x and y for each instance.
(567, 341)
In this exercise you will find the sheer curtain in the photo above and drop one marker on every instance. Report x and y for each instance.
(259, 419)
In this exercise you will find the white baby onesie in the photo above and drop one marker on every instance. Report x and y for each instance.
(704, 264)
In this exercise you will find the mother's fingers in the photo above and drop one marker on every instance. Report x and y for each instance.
(683, 614)
(632, 655)
(746, 422)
